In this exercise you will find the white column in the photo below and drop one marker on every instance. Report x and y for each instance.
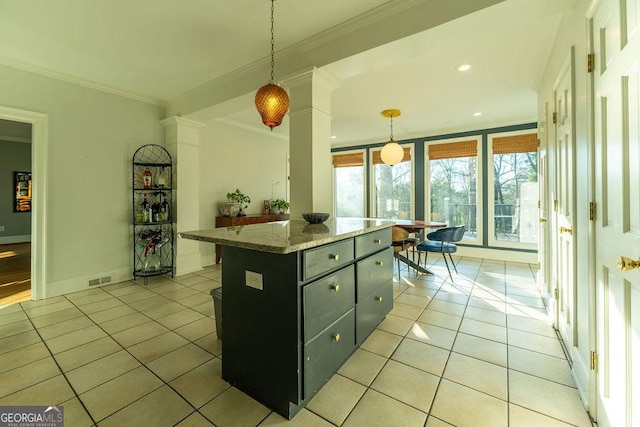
(182, 139)
(311, 174)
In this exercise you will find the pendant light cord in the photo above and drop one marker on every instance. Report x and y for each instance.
(392, 128)
(272, 42)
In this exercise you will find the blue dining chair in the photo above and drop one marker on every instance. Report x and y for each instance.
(444, 241)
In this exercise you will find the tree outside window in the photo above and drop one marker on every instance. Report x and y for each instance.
(453, 184)
(515, 188)
(393, 187)
(349, 184)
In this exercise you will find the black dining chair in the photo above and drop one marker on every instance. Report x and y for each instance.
(444, 241)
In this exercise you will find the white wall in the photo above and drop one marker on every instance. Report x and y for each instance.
(14, 156)
(572, 32)
(233, 158)
(92, 136)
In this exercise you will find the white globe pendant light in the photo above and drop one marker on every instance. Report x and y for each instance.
(392, 153)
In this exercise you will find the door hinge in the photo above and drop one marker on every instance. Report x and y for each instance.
(594, 361)
(538, 142)
(538, 265)
(554, 118)
(592, 211)
(556, 294)
(538, 204)
(590, 62)
(555, 206)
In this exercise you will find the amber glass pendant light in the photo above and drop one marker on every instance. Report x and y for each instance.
(272, 101)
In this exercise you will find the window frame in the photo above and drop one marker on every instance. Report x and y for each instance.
(491, 240)
(372, 179)
(478, 241)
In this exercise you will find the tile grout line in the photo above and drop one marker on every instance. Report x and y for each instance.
(60, 368)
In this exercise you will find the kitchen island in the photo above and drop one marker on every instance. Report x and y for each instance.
(298, 300)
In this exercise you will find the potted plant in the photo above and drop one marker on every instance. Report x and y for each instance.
(279, 206)
(240, 198)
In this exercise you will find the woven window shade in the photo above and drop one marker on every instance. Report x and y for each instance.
(452, 150)
(347, 160)
(377, 160)
(515, 144)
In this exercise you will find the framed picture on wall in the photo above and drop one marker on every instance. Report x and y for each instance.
(22, 191)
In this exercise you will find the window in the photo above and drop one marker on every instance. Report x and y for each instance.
(514, 190)
(392, 194)
(453, 190)
(348, 173)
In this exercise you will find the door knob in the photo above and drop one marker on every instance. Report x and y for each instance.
(567, 230)
(626, 263)
(543, 219)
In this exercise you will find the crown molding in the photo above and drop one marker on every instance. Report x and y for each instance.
(252, 129)
(177, 120)
(80, 82)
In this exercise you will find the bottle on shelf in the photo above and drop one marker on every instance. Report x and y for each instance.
(162, 181)
(146, 209)
(164, 209)
(147, 182)
(155, 211)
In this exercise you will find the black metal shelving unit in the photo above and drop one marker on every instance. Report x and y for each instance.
(153, 237)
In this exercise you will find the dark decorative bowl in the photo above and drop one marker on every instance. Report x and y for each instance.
(315, 217)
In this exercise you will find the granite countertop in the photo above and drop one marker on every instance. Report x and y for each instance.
(287, 236)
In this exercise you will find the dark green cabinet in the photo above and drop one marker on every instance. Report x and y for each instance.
(290, 328)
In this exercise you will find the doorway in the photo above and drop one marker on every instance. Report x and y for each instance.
(38, 124)
(15, 212)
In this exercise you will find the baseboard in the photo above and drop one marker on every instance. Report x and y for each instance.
(580, 374)
(15, 239)
(188, 263)
(207, 260)
(498, 255)
(77, 284)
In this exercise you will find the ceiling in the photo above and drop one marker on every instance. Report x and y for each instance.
(155, 51)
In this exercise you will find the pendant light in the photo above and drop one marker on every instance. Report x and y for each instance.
(272, 101)
(392, 153)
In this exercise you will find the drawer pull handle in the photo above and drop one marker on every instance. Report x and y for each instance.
(377, 241)
(335, 287)
(334, 257)
(336, 337)
(379, 263)
(379, 299)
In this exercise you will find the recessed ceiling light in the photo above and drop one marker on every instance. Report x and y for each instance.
(477, 114)
(333, 137)
(464, 67)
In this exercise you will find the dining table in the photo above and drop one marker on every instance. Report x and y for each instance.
(415, 226)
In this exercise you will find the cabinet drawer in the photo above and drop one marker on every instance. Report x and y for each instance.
(372, 242)
(373, 271)
(325, 258)
(325, 353)
(327, 299)
(372, 309)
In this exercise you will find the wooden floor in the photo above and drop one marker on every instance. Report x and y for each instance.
(15, 273)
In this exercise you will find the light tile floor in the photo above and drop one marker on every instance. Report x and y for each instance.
(477, 351)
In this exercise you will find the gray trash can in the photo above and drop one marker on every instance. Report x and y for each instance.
(216, 294)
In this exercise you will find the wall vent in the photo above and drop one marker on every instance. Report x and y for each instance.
(94, 282)
(105, 279)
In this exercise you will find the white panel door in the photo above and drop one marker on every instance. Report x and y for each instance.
(616, 79)
(565, 205)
